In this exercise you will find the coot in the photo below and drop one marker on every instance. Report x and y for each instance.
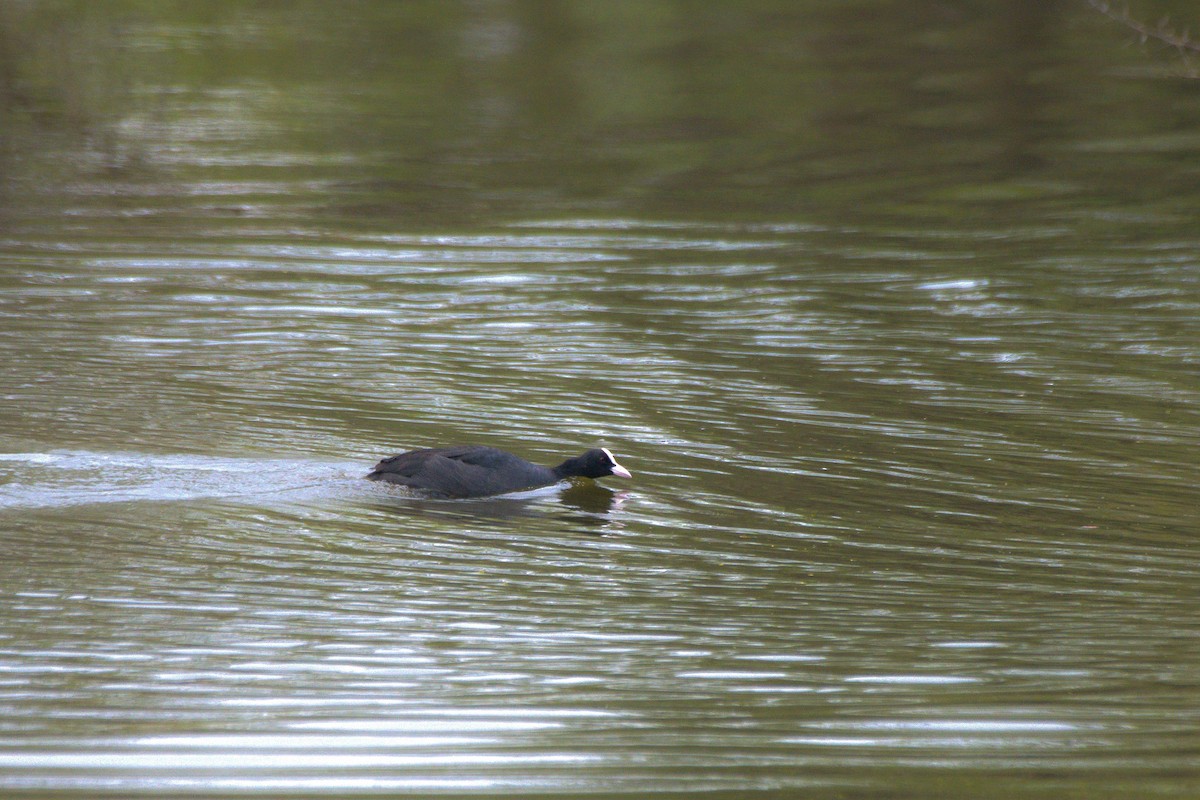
(473, 471)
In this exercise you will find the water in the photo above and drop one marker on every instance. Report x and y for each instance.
(898, 337)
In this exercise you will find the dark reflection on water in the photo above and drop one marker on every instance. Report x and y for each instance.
(585, 507)
(896, 327)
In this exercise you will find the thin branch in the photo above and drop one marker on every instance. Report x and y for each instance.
(1162, 33)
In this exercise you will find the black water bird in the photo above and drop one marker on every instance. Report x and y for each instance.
(474, 471)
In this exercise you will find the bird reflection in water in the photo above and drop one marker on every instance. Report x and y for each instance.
(587, 506)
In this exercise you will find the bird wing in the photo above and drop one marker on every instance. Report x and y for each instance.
(453, 472)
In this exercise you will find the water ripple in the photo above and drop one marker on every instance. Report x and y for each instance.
(888, 510)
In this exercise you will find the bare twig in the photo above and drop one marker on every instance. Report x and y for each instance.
(1162, 33)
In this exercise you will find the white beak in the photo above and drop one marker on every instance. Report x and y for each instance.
(617, 469)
